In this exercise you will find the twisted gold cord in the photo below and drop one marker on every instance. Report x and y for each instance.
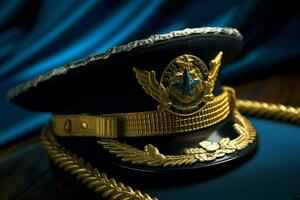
(87, 175)
(269, 110)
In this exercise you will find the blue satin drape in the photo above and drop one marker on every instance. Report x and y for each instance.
(36, 36)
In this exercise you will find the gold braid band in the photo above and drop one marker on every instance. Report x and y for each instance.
(270, 110)
(152, 123)
(86, 174)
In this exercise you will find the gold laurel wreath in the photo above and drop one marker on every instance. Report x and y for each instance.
(207, 151)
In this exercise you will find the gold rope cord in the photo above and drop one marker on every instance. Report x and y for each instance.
(269, 110)
(109, 188)
(87, 175)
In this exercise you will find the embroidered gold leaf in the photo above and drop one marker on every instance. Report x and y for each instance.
(207, 150)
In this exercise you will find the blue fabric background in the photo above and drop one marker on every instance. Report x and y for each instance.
(36, 36)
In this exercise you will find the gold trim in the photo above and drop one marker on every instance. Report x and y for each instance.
(269, 110)
(161, 93)
(147, 79)
(86, 174)
(207, 151)
(152, 123)
(213, 74)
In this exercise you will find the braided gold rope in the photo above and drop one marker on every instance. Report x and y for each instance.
(87, 175)
(269, 110)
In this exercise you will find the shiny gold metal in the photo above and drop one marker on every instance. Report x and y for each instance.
(67, 126)
(207, 150)
(169, 97)
(152, 123)
(109, 188)
(157, 91)
(269, 110)
(86, 174)
(84, 125)
(214, 71)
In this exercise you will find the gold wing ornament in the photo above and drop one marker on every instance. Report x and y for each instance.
(149, 83)
(213, 74)
(147, 79)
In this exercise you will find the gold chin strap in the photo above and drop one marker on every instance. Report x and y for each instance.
(152, 123)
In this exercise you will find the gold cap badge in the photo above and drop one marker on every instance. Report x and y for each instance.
(186, 84)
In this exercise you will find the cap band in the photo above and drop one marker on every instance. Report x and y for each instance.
(152, 123)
